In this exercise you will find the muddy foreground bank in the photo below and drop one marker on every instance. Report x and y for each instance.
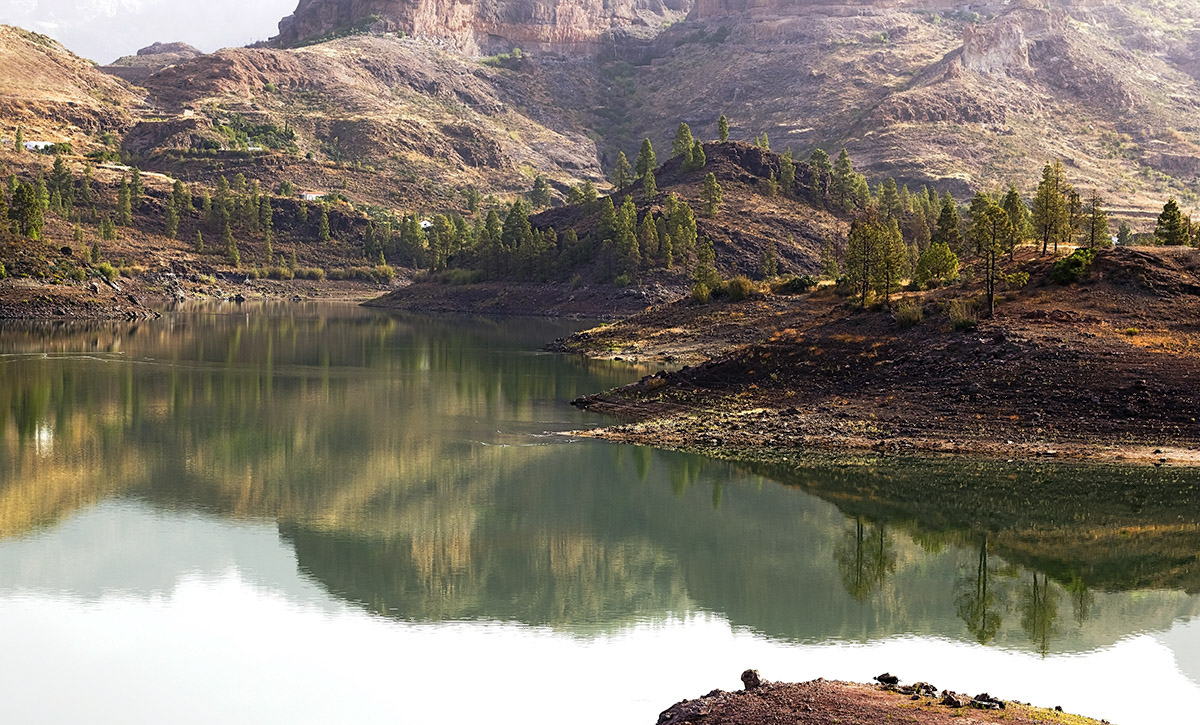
(822, 701)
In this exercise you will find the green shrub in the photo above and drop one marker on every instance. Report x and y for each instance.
(1132, 331)
(909, 312)
(3, 271)
(962, 315)
(740, 288)
(107, 271)
(701, 293)
(622, 281)
(1016, 280)
(314, 273)
(794, 285)
(455, 277)
(77, 274)
(280, 273)
(1074, 268)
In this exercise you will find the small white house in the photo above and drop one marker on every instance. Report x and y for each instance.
(426, 224)
(38, 145)
(312, 195)
(255, 148)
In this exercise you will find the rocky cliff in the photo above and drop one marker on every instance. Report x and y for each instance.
(480, 27)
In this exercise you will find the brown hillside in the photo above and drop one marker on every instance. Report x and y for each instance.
(54, 95)
(393, 122)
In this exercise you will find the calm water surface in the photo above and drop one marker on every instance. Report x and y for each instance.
(320, 514)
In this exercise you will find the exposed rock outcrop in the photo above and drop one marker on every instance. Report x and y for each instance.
(483, 26)
(150, 60)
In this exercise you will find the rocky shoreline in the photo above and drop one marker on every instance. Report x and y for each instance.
(1104, 372)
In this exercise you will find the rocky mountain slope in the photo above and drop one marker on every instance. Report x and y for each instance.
(484, 26)
(967, 97)
(54, 95)
(151, 59)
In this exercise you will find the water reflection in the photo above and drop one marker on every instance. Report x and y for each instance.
(408, 465)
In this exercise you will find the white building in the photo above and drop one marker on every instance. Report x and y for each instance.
(312, 195)
(38, 145)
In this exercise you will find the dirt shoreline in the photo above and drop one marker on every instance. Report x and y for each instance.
(1105, 372)
(825, 701)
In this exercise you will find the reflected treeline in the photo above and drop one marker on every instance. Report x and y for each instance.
(403, 459)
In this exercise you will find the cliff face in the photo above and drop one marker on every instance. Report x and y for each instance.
(485, 26)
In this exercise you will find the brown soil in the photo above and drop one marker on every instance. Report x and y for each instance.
(1102, 370)
(847, 703)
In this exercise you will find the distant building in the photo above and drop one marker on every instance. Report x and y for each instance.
(39, 145)
(426, 224)
(255, 148)
(312, 195)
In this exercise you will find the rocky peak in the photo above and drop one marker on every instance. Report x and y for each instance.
(481, 27)
(182, 49)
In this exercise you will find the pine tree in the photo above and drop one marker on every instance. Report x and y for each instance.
(95, 253)
(19, 144)
(949, 225)
(231, 248)
(842, 182)
(681, 224)
(181, 197)
(61, 180)
(85, 186)
(646, 162)
(648, 239)
(862, 252)
(989, 230)
(936, 265)
(1018, 219)
(649, 186)
(622, 174)
(1125, 235)
(323, 233)
(698, 158)
(171, 221)
(763, 142)
(27, 212)
(539, 196)
(822, 171)
(77, 235)
(711, 195)
(629, 255)
(705, 272)
(770, 260)
(723, 129)
(829, 263)
(892, 261)
(1096, 223)
(136, 189)
(1170, 229)
(124, 206)
(787, 174)
(684, 143)
(889, 200)
(1050, 215)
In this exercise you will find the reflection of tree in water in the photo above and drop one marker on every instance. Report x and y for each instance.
(865, 559)
(975, 599)
(1082, 599)
(1039, 610)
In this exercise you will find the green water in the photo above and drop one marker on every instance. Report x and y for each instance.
(343, 507)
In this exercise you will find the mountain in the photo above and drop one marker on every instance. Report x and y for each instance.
(966, 97)
(150, 60)
(54, 95)
(484, 26)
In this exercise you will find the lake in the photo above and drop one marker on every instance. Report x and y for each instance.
(315, 513)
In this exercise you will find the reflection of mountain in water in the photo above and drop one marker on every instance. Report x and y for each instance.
(402, 461)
